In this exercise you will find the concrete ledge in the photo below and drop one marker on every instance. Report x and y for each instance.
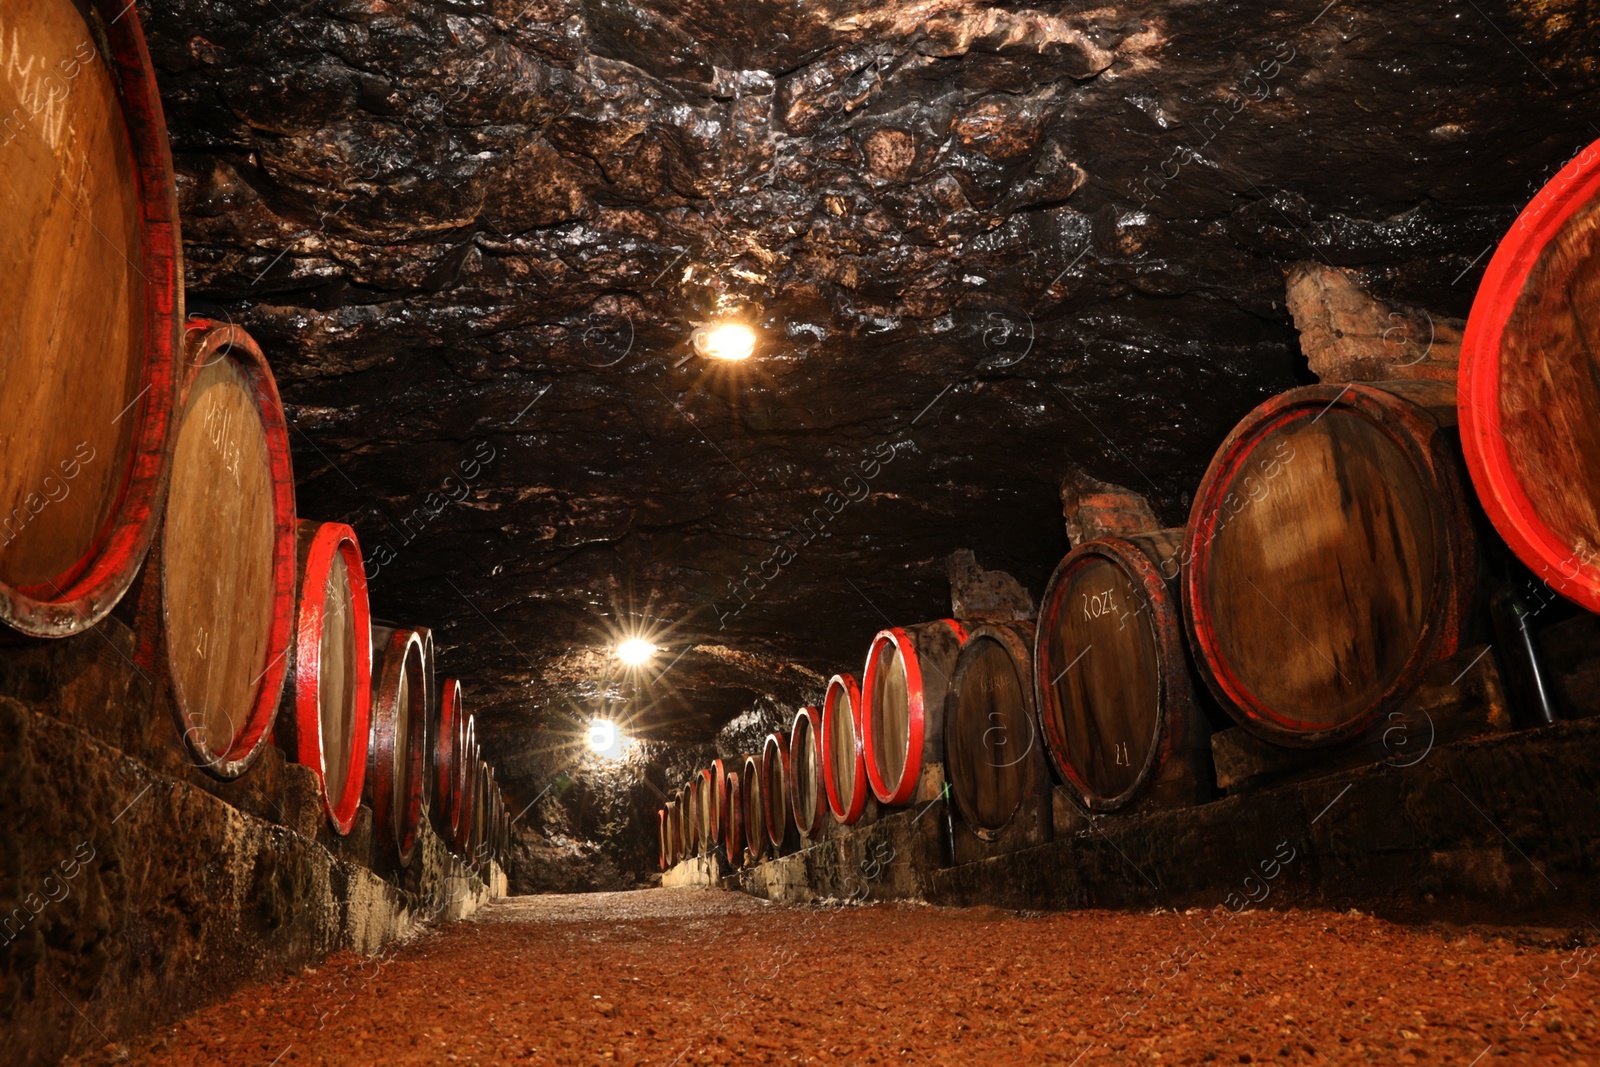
(1503, 828)
(696, 870)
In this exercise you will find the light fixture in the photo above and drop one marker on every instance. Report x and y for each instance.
(730, 341)
(635, 651)
(606, 739)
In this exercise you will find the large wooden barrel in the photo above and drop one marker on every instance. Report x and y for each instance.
(90, 313)
(430, 723)
(1113, 680)
(330, 667)
(448, 731)
(755, 809)
(1329, 560)
(710, 809)
(465, 782)
(733, 826)
(672, 831)
(994, 754)
(397, 763)
(775, 792)
(661, 838)
(807, 793)
(725, 807)
(1529, 388)
(480, 816)
(696, 808)
(902, 714)
(844, 772)
(224, 567)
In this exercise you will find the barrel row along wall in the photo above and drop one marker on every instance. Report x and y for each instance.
(269, 774)
(1370, 571)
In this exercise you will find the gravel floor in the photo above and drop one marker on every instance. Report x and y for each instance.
(691, 976)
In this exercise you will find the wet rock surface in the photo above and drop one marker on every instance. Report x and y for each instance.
(984, 245)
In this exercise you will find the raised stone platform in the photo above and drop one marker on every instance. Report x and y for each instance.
(1502, 828)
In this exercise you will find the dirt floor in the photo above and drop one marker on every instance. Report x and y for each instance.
(692, 976)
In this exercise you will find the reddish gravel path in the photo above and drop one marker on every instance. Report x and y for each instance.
(692, 976)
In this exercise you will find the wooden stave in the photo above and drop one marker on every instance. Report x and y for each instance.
(775, 770)
(390, 769)
(755, 815)
(1145, 559)
(847, 809)
(316, 544)
(87, 592)
(1420, 418)
(1492, 466)
(811, 719)
(1016, 638)
(925, 702)
(205, 341)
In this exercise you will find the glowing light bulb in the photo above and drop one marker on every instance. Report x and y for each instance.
(726, 340)
(635, 651)
(606, 739)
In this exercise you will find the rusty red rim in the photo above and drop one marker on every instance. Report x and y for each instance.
(775, 750)
(208, 340)
(331, 539)
(846, 809)
(807, 722)
(1552, 558)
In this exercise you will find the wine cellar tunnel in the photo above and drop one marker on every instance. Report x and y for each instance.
(929, 531)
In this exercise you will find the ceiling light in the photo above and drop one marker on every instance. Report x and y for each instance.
(724, 340)
(635, 651)
(606, 739)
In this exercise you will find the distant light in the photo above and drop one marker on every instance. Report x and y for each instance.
(726, 340)
(635, 651)
(606, 739)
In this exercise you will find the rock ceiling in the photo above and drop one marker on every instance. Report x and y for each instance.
(985, 246)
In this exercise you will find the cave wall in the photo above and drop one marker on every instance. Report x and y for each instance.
(988, 246)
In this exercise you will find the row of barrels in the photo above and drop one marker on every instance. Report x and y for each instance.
(155, 444)
(1334, 552)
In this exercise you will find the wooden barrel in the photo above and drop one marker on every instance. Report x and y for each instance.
(430, 722)
(1329, 560)
(710, 830)
(1529, 387)
(671, 808)
(755, 810)
(807, 793)
(902, 712)
(1113, 679)
(480, 816)
(448, 731)
(844, 772)
(994, 754)
(330, 667)
(91, 311)
(775, 792)
(465, 781)
(733, 825)
(397, 764)
(695, 807)
(661, 838)
(225, 563)
(720, 769)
